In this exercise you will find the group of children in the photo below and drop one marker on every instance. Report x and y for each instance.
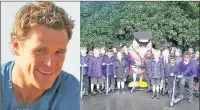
(99, 64)
(160, 67)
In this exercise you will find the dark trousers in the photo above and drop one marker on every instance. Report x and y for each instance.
(111, 82)
(86, 82)
(148, 81)
(189, 81)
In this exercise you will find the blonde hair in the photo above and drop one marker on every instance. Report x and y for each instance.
(42, 13)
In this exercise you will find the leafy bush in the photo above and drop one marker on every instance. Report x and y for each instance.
(113, 23)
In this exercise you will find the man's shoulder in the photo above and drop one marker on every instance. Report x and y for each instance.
(68, 82)
(67, 91)
(6, 66)
(67, 77)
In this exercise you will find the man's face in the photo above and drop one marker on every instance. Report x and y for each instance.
(186, 58)
(191, 50)
(42, 55)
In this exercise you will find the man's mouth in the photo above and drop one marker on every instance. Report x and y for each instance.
(45, 72)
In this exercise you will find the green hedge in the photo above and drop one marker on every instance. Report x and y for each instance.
(113, 23)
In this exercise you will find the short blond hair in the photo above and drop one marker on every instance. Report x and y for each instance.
(42, 13)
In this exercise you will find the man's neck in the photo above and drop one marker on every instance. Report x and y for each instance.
(24, 91)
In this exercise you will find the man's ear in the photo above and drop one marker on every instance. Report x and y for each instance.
(15, 43)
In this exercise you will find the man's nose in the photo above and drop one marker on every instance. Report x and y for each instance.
(49, 60)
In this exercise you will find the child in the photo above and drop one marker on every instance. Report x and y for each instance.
(187, 67)
(147, 62)
(178, 57)
(95, 71)
(196, 78)
(120, 70)
(128, 58)
(103, 54)
(156, 71)
(191, 50)
(115, 51)
(109, 60)
(90, 53)
(165, 60)
(172, 50)
(172, 70)
(84, 61)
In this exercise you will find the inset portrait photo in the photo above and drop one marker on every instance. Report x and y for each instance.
(40, 49)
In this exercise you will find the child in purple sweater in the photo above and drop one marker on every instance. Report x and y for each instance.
(95, 71)
(187, 69)
(172, 70)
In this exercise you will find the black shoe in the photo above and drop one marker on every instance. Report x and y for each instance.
(99, 91)
(104, 90)
(93, 93)
(163, 93)
(148, 91)
(153, 95)
(112, 90)
(157, 95)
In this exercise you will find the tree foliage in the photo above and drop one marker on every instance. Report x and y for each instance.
(113, 23)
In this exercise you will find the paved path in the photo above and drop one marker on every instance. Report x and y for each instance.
(138, 100)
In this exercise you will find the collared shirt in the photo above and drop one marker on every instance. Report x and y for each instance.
(186, 63)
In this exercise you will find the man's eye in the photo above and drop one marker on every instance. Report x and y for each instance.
(41, 50)
(60, 52)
